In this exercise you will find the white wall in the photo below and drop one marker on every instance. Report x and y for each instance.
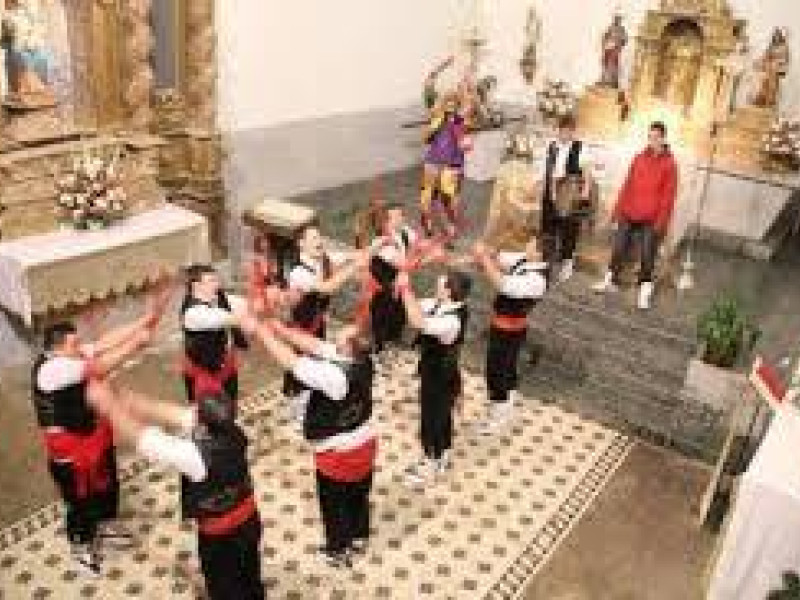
(290, 60)
(573, 29)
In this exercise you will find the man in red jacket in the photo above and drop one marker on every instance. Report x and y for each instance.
(644, 209)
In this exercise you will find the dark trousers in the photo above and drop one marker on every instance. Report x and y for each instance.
(83, 515)
(345, 510)
(231, 563)
(626, 233)
(563, 233)
(502, 357)
(439, 389)
(387, 317)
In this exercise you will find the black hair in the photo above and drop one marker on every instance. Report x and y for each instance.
(660, 127)
(195, 273)
(55, 334)
(567, 122)
(459, 284)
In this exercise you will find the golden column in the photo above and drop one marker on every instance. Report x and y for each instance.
(138, 45)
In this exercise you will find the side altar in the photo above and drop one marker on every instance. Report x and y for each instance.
(130, 86)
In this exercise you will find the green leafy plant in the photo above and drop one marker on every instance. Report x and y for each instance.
(725, 332)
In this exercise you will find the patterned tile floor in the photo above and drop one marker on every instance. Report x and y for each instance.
(481, 531)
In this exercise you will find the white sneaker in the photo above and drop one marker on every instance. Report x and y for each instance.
(86, 560)
(443, 463)
(499, 414)
(607, 285)
(645, 295)
(567, 270)
(420, 472)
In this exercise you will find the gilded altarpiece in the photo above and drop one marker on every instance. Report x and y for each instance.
(98, 95)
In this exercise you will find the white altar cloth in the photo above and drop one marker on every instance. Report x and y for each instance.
(763, 537)
(52, 271)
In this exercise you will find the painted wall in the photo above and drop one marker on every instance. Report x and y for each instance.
(573, 29)
(304, 59)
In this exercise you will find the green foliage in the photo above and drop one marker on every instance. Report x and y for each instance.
(725, 332)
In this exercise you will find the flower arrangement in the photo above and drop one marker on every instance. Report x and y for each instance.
(781, 146)
(556, 100)
(91, 195)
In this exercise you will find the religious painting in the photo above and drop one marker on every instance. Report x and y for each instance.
(37, 69)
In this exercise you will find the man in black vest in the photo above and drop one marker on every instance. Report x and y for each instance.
(210, 335)
(210, 451)
(78, 440)
(567, 158)
(337, 380)
(442, 323)
(315, 278)
(389, 253)
(520, 279)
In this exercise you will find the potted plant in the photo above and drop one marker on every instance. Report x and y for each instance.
(725, 334)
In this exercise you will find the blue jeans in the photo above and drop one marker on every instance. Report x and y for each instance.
(648, 249)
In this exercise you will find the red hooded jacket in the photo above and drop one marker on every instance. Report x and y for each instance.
(649, 192)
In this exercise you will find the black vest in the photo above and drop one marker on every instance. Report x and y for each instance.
(386, 273)
(227, 482)
(573, 164)
(66, 408)
(516, 307)
(437, 358)
(325, 418)
(312, 304)
(207, 349)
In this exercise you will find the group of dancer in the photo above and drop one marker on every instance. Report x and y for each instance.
(84, 413)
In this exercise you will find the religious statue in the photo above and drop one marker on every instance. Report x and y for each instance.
(615, 39)
(28, 59)
(733, 68)
(530, 53)
(515, 206)
(773, 67)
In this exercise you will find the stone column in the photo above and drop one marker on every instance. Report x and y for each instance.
(137, 45)
(201, 64)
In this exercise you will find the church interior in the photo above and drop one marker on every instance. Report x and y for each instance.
(220, 224)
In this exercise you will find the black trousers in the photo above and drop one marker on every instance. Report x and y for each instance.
(502, 357)
(387, 317)
(563, 233)
(344, 507)
(626, 233)
(83, 515)
(231, 563)
(439, 388)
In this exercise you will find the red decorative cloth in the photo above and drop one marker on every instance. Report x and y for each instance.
(86, 453)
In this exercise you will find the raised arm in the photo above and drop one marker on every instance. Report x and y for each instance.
(104, 363)
(413, 309)
(488, 265)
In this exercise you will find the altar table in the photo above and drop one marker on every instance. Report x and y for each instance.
(763, 537)
(50, 272)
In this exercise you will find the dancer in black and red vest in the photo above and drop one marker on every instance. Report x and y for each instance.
(337, 380)
(442, 323)
(210, 450)
(389, 254)
(315, 278)
(78, 440)
(210, 336)
(520, 279)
